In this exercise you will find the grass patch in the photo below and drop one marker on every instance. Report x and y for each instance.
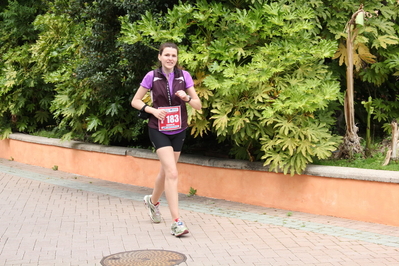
(53, 133)
(374, 162)
(57, 133)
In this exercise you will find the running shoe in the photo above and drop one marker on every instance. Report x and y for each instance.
(178, 228)
(153, 209)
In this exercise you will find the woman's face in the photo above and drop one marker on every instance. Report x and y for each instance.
(168, 58)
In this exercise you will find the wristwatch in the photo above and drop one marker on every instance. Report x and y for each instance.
(189, 99)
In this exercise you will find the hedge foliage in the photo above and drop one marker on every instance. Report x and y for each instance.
(271, 74)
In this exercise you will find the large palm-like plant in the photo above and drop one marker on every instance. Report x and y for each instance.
(351, 144)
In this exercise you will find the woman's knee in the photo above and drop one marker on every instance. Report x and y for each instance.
(172, 174)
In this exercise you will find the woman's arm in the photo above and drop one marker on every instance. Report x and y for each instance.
(195, 101)
(137, 102)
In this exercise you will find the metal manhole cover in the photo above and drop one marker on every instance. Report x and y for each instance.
(144, 258)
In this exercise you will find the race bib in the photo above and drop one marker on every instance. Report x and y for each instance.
(172, 120)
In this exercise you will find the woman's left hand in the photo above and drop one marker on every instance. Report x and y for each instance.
(182, 95)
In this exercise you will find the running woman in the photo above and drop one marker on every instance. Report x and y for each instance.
(171, 90)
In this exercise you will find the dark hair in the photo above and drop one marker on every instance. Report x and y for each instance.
(168, 45)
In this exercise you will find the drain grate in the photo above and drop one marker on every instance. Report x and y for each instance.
(144, 258)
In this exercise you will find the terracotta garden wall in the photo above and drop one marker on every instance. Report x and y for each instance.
(366, 195)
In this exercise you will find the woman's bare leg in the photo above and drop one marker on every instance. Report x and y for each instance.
(167, 180)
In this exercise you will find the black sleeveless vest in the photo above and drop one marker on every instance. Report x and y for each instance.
(160, 95)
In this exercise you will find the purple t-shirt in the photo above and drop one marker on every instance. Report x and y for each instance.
(147, 80)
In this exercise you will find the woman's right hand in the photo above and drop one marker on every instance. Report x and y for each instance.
(159, 113)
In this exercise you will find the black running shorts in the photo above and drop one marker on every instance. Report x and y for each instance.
(160, 140)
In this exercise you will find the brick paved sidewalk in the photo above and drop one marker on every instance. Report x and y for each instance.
(55, 218)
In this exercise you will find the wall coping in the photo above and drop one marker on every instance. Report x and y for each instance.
(314, 170)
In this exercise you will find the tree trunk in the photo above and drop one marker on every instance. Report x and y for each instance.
(393, 150)
(351, 144)
(395, 133)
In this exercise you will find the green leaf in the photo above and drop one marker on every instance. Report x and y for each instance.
(93, 122)
(5, 132)
(285, 127)
(42, 116)
(289, 143)
(113, 109)
(101, 136)
(305, 148)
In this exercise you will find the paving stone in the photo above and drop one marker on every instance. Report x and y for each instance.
(55, 218)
